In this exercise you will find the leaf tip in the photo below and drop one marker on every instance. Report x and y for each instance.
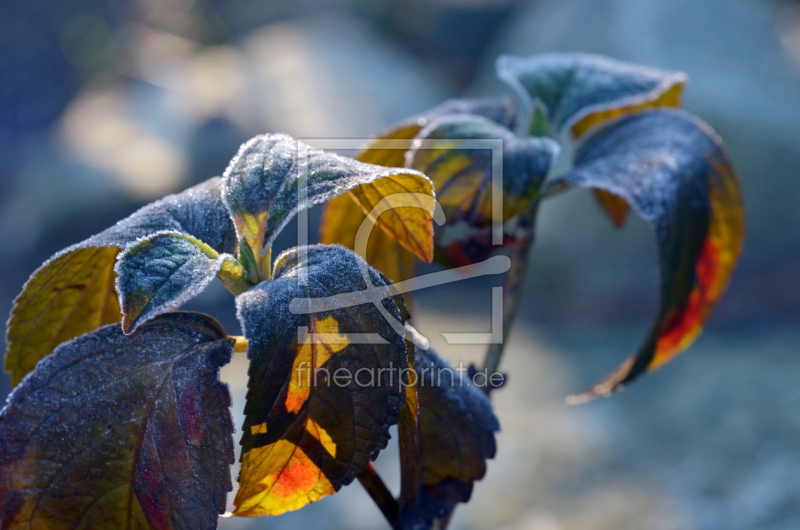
(128, 323)
(614, 382)
(584, 397)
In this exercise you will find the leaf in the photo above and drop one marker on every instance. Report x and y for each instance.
(672, 170)
(385, 150)
(162, 272)
(344, 215)
(457, 427)
(578, 91)
(273, 176)
(121, 432)
(463, 175)
(615, 207)
(307, 433)
(340, 223)
(73, 293)
(408, 433)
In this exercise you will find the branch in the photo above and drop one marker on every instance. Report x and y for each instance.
(374, 485)
(512, 287)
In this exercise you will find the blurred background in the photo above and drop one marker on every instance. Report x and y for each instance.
(106, 105)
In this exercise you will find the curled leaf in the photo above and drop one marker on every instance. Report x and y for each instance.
(344, 215)
(73, 293)
(457, 427)
(673, 171)
(387, 150)
(578, 91)
(273, 176)
(160, 273)
(324, 379)
(464, 173)
(113, 431)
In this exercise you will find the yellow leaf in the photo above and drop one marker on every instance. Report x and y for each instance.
(383, 151)
(278, 478)
(68, 296)
(340, 223)
(411, 226)
(344, 215)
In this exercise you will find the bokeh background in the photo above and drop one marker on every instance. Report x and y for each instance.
(106, 105)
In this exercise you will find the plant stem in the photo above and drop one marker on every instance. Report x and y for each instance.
(241, 344)
(512, 287)
(374, 485)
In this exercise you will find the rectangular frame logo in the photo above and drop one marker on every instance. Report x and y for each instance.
(375, 294)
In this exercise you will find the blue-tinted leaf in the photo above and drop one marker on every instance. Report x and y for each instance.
(73, 293)
(344, 215)
(160, 273)
(463, 173)
(307, 433)
(274, 176)
(673, 171)
(578, 91)
(112, 431)
(457, 427)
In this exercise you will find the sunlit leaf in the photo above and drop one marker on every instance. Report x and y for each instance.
(463, 173)
(386, 150)
(578, 91)
(673, 171)
(73, 293)
(457, 427)
(307, 433)
(274, 176)
(340, 223)
(113, 431)
(160, 273)
(344, 215)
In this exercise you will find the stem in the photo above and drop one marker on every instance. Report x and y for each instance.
(512, 288)
(241, 344)
(374, 485)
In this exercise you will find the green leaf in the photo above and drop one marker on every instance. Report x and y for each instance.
(273, 176)
(113, 431)
(463, 174)
(160, 273)
(578, 91)
(73, 293)
(307, 431)
(457, 427)
(672, 170)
